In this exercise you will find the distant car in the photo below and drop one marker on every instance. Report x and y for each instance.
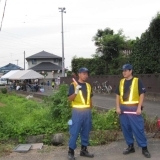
(3, 81)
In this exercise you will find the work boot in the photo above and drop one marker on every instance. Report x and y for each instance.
(84, 152)
(130, 149)
(145, 152)
(71, 154)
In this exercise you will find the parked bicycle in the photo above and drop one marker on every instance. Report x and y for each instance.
(106, 88)
(96, 87)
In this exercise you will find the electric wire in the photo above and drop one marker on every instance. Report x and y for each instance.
(3, 15)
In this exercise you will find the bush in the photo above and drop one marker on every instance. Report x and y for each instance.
(4, 90)
(105, 120)
(21, 117)
(150, 124)
(60, 107)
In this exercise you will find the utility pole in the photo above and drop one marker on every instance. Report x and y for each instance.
(17, 61)
(62, 10)
(24, 60)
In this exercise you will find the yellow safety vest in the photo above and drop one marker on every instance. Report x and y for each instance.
(134, 93)
(79, 101)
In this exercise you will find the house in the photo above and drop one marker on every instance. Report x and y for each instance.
(46, 63)
(9, 67)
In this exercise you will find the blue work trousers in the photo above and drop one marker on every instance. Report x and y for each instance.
(132, 124)
(81, 124)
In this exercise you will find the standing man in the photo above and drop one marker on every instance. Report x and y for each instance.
(129, 97)
(53, 84)
(48, 84)
(80, 95)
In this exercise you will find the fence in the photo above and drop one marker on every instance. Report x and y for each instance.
(150, 81)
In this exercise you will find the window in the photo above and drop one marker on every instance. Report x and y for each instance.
(34, 61)
(55, 60)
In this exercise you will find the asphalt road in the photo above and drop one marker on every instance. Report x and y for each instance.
(108, 101)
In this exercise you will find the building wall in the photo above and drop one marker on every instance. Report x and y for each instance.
(59, 62)
(151, 81)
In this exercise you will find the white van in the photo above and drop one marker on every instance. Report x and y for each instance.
(3, 81)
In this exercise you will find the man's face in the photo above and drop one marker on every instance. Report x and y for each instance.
(83, 76)
(127, 73)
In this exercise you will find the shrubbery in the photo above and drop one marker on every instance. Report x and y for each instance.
(20, 118)
(4, 90)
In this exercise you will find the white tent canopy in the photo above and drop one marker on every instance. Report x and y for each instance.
(10, 73)
(26, 74)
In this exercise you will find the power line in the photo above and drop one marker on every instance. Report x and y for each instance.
(3, 15)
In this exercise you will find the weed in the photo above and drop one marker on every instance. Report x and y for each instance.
(4, 90)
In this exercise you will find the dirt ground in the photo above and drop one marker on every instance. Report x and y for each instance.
(112, 151)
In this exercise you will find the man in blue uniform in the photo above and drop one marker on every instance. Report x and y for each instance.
(80, 94)
(129, 97)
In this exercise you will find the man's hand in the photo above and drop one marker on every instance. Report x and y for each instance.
(139, 111)
(118, 110)
(77, 89)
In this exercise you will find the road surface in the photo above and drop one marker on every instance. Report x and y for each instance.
(108, 101)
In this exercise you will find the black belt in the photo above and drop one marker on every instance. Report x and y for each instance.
(136, 104)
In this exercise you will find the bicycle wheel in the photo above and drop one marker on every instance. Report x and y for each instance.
(99, 89)
(103, 90)
(109, 89)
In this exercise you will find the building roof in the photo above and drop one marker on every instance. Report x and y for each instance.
(46, 66)
(43, 55)
(10, 67)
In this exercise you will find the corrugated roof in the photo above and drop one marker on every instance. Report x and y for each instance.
(43, 55)
(46, 66)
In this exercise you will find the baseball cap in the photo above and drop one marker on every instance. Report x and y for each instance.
(83, 69)
(127, 67)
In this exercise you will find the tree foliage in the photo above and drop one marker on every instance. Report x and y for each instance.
(146, 52)
(114, 49)
(95, 65)
(110, 47)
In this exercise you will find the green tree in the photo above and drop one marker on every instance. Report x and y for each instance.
(109, 47)
(146, 51)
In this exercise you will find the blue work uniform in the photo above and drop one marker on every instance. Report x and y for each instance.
(132, 124)
(81, 121)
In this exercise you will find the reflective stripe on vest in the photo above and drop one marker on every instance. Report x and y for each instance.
(134, 94)
(79, 101)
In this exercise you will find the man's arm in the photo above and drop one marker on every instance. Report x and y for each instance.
(141, 98)
(118, 110)
(91, 103)
(72, 97)
(141, 90)
(71, 93)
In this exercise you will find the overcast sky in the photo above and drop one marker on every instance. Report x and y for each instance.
(35, 25)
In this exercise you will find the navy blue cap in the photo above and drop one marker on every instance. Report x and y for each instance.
(127, 67)
(83, 69)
